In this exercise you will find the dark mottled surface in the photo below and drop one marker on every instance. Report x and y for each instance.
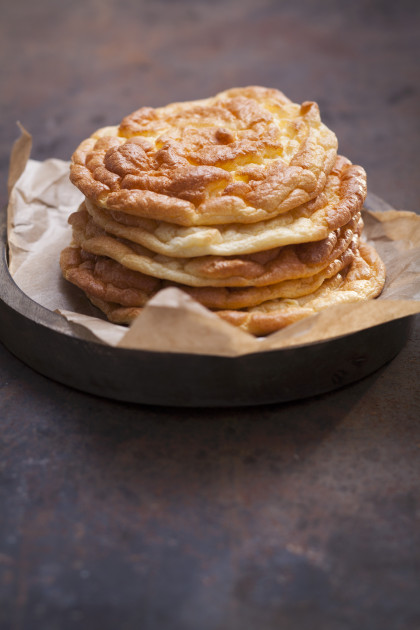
(301, 516)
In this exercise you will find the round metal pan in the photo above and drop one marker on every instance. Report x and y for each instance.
(43, 340)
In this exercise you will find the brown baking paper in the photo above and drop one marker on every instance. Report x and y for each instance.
(42, 198)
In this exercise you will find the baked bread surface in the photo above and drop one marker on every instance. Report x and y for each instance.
(245, 155)
(240, 200)
(258, 269)
(106, 279)
(362, 279)
(341, 198)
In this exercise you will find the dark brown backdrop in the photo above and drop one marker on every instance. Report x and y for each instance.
(301, 516)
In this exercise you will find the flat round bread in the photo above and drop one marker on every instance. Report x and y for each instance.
(361, 280)
(243, 156)
(341, 199)
(260, 269)
(107, 280)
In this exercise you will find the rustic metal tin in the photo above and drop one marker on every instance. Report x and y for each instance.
(43, 340)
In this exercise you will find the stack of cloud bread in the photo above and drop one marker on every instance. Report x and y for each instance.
(239, 200)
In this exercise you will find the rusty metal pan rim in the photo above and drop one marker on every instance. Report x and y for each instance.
(44, 341)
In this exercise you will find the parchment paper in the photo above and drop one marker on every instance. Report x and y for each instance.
(41, 197)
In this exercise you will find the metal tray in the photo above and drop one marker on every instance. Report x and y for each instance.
(43, 340)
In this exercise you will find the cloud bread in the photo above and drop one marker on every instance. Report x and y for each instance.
(106, 279)
(260, 269)
(240, 200)
(244, 156)
(341, 199)
(361, 280)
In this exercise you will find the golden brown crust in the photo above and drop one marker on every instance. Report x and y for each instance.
(245, 155)
(352, 192)
(341, 199)
(108, 280)
(260, 269)
(363, 279)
